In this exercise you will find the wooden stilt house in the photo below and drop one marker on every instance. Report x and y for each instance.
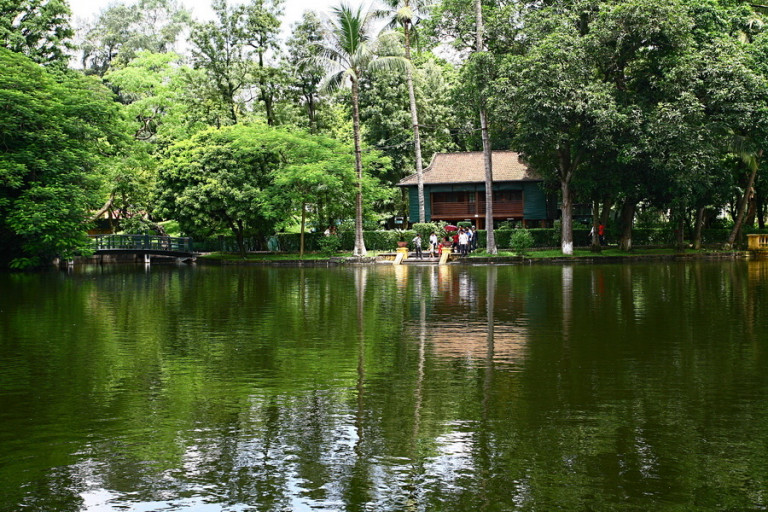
(454, 190)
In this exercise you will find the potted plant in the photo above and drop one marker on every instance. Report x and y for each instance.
(401, 241)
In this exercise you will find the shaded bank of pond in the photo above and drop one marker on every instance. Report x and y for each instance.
(603, 387)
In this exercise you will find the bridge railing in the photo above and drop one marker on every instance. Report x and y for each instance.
(757, 242)
(141, 243)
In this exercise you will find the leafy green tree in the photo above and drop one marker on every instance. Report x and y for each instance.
(39, 29)
(558, 109)
(261, 24)
(348, 55)
(318, 176)
(58, 129)
(231, 52)
(304, 46)
(219, 179)
(219, 50)
(159, 97)
(121, 31)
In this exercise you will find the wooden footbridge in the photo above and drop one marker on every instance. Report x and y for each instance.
(146, 245)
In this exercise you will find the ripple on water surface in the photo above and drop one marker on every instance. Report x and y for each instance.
(610, 387)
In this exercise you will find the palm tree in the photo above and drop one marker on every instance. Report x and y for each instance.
(404, 13)
(348, 55)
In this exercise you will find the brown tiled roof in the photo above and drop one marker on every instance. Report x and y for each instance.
(469, 168)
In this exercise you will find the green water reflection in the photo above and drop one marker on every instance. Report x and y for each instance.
(637, 387)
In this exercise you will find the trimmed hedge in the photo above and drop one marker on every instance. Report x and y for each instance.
(374, 240)
(387, 240)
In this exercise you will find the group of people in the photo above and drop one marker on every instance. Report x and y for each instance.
(463, 241)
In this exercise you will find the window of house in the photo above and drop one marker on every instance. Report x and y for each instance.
(507, 196)
(448, 197)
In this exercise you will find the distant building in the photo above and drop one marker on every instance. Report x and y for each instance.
(454, 190)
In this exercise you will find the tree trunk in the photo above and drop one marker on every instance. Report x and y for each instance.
(698, 228)
(266, 98)
(627, 218)
(604, 215)
(240, 238)
(680, 230)
(103, 209)
(311, 113)
(742, 208)
(359, 240)
(415, 124)
(566, 220)
(303, 222)
(487, 151)
(749, 222)
(595, 242)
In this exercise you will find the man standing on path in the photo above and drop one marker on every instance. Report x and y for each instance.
(463, 242)
(417, 246)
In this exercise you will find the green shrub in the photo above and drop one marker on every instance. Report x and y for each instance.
(521, 240)
(546, 237)
(426, 228)
(329, 245)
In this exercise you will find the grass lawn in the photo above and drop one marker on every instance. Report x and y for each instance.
(605, 253)
(532, 254)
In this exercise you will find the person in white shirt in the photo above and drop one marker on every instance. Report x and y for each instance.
(433, 244)
(463, 241)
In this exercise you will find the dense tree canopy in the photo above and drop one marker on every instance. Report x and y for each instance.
(624, 105)
(40, 29)
(57, 130)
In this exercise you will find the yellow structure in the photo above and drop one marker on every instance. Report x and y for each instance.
(445, 255)
(757, 242)
(402, 254)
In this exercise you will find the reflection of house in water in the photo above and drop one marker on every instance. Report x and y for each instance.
(470, 341)
(459, 316)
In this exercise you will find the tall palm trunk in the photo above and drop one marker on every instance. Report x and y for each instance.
(415, 124)
(359, 240)
(490, 238)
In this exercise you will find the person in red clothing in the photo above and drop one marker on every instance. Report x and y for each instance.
(601, 234)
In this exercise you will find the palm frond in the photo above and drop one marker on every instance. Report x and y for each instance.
(393, 64)
(335, 81)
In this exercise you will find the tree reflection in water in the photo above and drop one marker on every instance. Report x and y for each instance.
(626, 387)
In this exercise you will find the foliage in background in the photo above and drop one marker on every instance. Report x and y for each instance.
(39, 29)
(58, 129)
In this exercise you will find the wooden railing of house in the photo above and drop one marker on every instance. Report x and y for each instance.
(457, 209)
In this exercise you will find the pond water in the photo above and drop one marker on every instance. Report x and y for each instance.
(612, 387)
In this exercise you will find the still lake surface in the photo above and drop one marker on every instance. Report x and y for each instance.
(610, 387)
